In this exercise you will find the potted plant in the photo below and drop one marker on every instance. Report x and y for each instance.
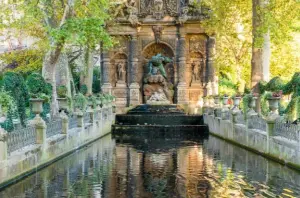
(62, 97)
(80, 102)
(273, 100)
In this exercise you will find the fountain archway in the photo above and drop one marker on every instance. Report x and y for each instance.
(165, 49)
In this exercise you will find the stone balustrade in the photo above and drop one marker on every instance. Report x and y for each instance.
(40, 143)
(268, 136)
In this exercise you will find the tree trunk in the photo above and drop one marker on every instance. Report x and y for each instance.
(266, 56)
(87, 74)
(49, 74)
(257, 52)
(261, 45)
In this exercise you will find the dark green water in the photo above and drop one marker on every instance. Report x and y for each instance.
(177, 167)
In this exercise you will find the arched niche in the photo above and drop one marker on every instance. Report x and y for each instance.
(118, 58)
(153, 49)
(198, 59)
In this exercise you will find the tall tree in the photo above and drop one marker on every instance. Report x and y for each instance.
(59, 24)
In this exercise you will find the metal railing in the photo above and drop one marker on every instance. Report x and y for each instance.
(289, 131)
(21, 138)
(54, 128)
(72, 122)
(240, 119)
(256, 122)
(87, 118)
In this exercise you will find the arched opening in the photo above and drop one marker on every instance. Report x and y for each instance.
(117, 60)
(160, 48)
(148, 52)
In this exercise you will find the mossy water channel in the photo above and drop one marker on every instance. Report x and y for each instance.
(138, 166)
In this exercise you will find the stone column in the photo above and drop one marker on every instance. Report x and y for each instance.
(134, 95)
(106, 86)
(182, 86)
(210, 62)
(3, 145)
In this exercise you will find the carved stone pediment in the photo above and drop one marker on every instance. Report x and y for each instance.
(158, 8)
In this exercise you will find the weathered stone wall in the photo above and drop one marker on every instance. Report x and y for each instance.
(277, 147)
(28, 160)
(257, 168)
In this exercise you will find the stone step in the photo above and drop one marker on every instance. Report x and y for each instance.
(157, 119)
(160, 129)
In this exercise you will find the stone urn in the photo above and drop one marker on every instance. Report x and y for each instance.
(252, 103)
(37, 105)
(63, 103)
(216, 100)
(274, 104)
(236, 101)
(225, 100)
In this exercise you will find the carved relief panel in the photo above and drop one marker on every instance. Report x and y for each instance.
(158, 8)
(119, 68)
(197, 59)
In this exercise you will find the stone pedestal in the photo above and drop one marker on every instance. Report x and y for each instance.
(134, 95)
(40, 129)
(195, 92)
(107, 88)
(3, 144)
(65, 122)
(120, 92)
(182, 94)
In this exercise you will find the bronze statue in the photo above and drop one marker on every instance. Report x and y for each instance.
(157, 63)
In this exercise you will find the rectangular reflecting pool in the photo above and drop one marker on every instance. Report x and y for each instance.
(147, 166)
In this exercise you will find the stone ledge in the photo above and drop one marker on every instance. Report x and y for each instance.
(37, 159)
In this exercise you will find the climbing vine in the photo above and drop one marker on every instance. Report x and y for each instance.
(290, 88)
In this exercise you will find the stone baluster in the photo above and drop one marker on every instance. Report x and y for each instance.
(106, 86)
(182, 86)
(271, 119)
(3, 144)
(40, 129)
(80, 119)
(65, 122)
(134, 88)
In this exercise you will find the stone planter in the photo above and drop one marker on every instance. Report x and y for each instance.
(252, 103)
(216, 100)
(274, 104)
(236, 101)
(225, 101)
(63, 103)
(37, 105)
